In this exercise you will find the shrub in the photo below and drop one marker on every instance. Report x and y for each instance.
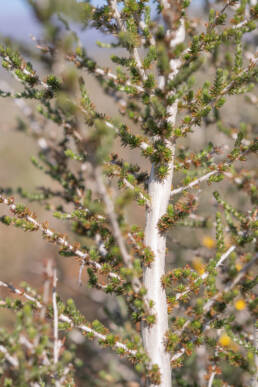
(186, 276)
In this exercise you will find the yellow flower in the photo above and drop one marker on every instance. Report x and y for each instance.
(207, 241)
(224, 340)
(240, 304)
(198, 265)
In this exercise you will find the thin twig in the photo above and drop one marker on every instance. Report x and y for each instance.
(112, 216)
(211, 379)
(11, 359)
(206, 274)
(55, 311)
(47, 273)
(59, 240)
(64, 318)
(122, 27)
(193, 183)
(211, 302)
(141, 195)
(255, 343)
(136, 284)
(207, 175)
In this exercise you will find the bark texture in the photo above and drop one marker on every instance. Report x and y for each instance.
(153, 337)
(159, 192)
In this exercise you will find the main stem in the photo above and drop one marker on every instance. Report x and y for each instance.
(159, 192)
(154, 336)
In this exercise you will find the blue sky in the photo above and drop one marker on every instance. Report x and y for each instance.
(16, 19)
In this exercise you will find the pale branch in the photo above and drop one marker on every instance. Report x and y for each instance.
(139, 66)
(195, 119)
(255, 344)
(24, 341)
(143, 26)
(25, 72)
(80, 273)
(97, 335)
(106, 73)
(231, 285)
(55, 318)
(10, 358)
(20, 293)
(209, 174)
(179, 35)
(122, 27)
(132, 187)
(159, 192)
(110, 75)
(25, 109)
(101, 245)
(61, 241)
(46, 287)
(206, 274)
(66, 319)
(116, 14)
(174, 69)
(136, 283)
(211, 302)
(193, 183)
(133, 241)
(28, 114)
(211, 379)
(98, 70)
(65, 373)
(143, 144)
(161, 72)
(32, 348)
(139, 193)
(112, 216)
(57, 345)
(42, 141)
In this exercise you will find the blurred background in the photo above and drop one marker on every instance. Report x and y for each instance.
(22, 255)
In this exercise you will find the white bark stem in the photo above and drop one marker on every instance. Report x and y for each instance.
(154, 336)
(159, 192)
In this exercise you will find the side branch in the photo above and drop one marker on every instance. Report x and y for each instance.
(206, 274)
(66, 319)
(133, 352)
(209, 304)
(193, 183)
(209, 174)
(54, 237)
(136, 284)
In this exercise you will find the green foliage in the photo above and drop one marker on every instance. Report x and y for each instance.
(30, 341)
(169, 77)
